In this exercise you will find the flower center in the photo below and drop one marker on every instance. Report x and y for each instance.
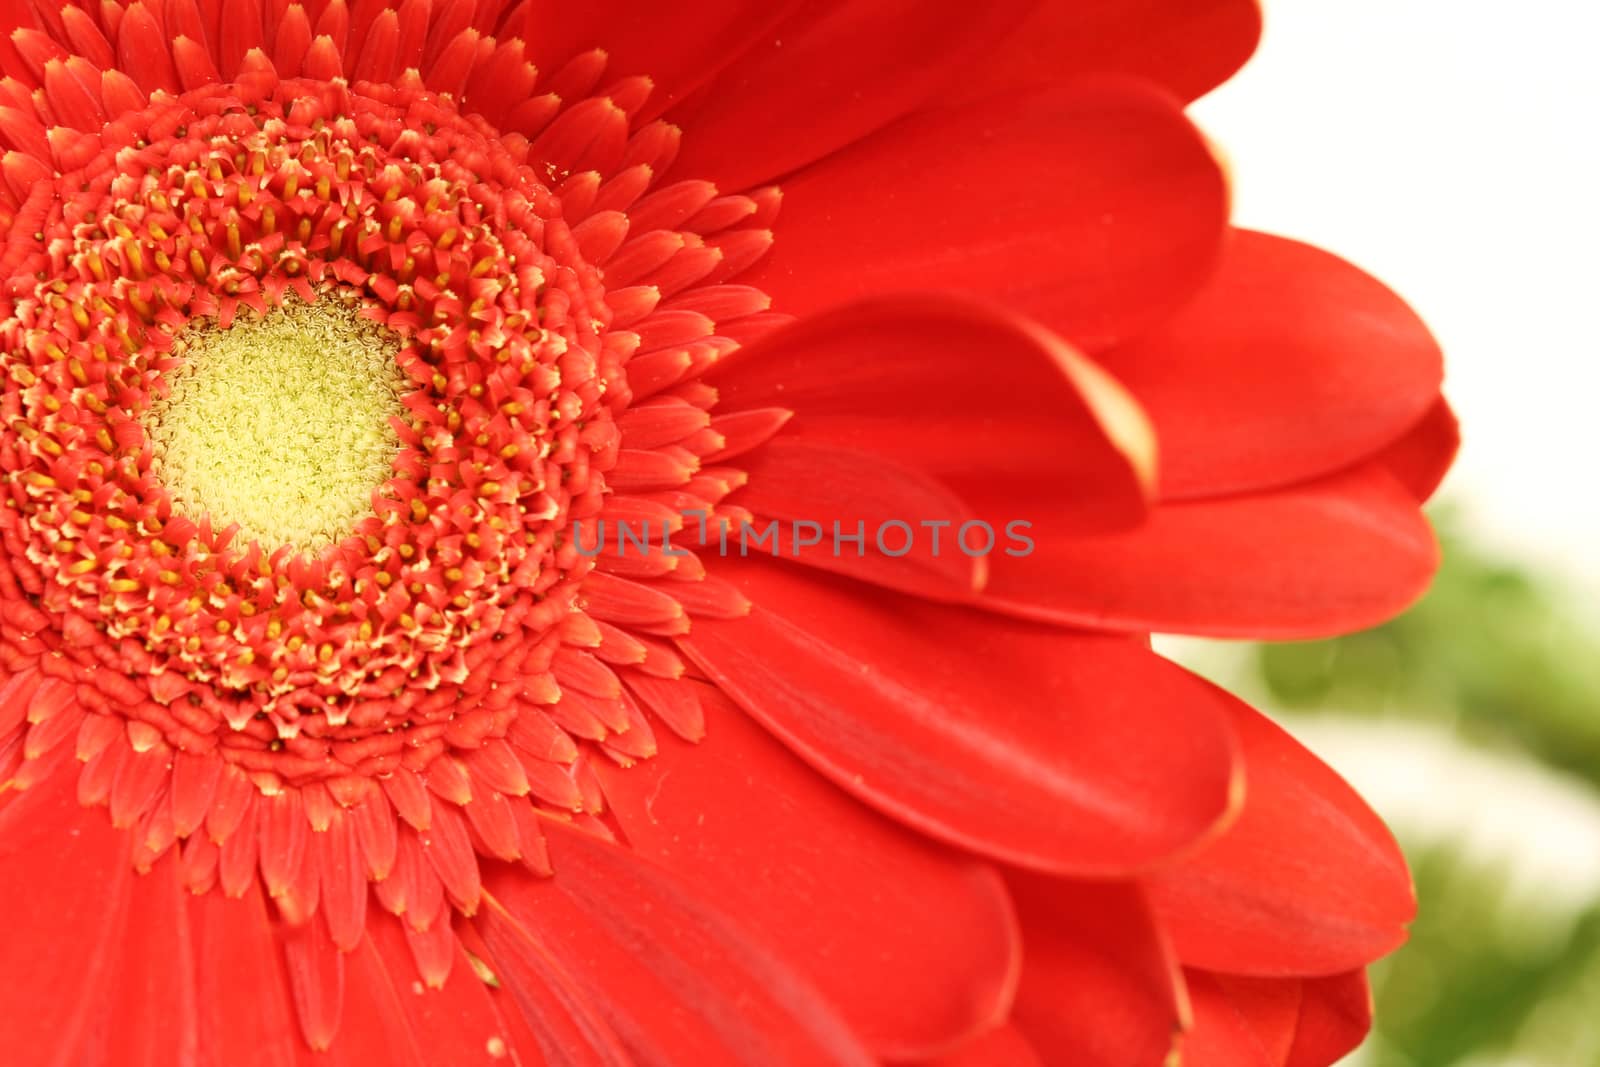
(319, 326)
(280, 424)
(305, 385)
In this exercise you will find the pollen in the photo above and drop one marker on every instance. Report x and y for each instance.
(280, 424)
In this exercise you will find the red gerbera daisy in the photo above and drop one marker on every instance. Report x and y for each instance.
(338, 337)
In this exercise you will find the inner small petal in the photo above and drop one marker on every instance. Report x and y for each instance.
(280, 424)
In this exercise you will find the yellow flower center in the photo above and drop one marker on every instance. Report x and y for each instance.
(280, 424)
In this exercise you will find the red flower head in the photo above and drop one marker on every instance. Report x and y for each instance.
(608, 533)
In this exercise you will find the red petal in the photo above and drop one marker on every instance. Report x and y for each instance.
(1291, 363)
(152, 1009)
(657, 40)
(292, 40)
(409, 797)
(334, 23)
(1004, 1045)
(390, 1020)
(1310, 560)
(1307, 881)
(900, 378)
(676, 980)
(245, 1013)
(1100, 987)
(28, 50)
(12, 17)
(829, 75)
(916, 945)
(380, 51)
(283, 835)
(140, 779)
(143, 49)
(24, 132)
(193, 63)
(20, 172)
(544, 995)
(1335, 1015)
(378, 1027)
(1094, 210)
(323, 61)
(344, 881)
(65, 881)
(239, 32)
(316, 975)
(590, 136)
(194, 783)
(433, 951)
(376, 829)
(799, 484)
(1240, 1022)
(121, 94)
(450, 852)
(1421, 458)
(1040, 747)
(232, 798)
(86, 38)
(1189, 46)
(72, 88)
(415, 16)
(495, 822)
(185, 18)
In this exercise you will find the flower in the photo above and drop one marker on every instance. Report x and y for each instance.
(335, 338)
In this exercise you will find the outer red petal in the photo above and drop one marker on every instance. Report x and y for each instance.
(974, 396)
(245, 1012)
(797, 481)
(1335, 1015)
(1039, 747)
(1100, 986)
(1094, 209)
(377, 1027)
(1291, 363)
(545, 997)
(153, 1007)
(392, 1020)
(65, 882)
(677, 981)
(676, 49)
(107, 966)
(1004, 1045)
(830, 74)
(1240, 1022)
(14, 14)
(1308, 881)
(1421, 458)
(1189, 46)
(916, 945)
(1309, 560)
(1276, 1022)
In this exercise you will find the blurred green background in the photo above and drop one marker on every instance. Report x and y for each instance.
(1471, 723)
